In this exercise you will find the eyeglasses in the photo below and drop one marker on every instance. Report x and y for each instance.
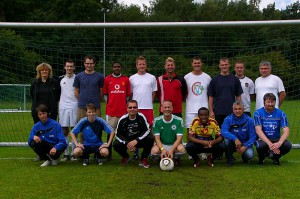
(131, 107)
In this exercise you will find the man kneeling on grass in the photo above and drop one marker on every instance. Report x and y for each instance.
(133, 132)
(204, 137)
(46, 138)
(239, 133)
(168, 132)
(91, 128)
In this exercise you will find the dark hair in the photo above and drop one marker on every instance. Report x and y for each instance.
(197, 58)
(116, 62)
(69, 61)
(132, 101)
(203, 109)
(239, 61)
(269, 96)
(89, 57)
(42, 108)
(90, 106)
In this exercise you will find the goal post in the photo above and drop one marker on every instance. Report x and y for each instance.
(24, 45)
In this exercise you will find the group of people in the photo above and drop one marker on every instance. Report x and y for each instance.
(217, 116)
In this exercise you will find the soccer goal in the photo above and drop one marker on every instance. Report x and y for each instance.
(24, 45)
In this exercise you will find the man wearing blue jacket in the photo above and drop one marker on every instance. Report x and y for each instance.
(239, 133)
(46, 137)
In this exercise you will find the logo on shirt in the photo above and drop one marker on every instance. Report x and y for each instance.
(246, 84)
(117, 86)
(173, 127)
(197, 88)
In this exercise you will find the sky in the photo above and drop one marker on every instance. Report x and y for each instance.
(279, 4)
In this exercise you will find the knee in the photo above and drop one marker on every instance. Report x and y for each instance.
(249, 153)
(104, 152)
(180, 148)
(78, 152)
(155, 150)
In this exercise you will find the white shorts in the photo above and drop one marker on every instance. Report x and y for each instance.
(68, 117)
(189, 118)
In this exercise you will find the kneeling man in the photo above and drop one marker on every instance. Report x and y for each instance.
(268, 121)
(168, 132)
(239, 134)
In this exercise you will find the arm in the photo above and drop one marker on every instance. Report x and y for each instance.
(76, 93)
(153, 95)
(282, 95)
(191, 137)
(211, 105)
(164, 152)
(111, 138)
(262, 135)
(75, 141)
(238, 98)
(277, 145)
(225, 130)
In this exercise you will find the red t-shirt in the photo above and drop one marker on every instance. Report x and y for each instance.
(116, 89)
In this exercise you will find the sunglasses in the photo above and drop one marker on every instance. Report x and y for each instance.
(131, 107)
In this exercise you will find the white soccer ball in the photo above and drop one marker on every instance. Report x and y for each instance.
(166, 164)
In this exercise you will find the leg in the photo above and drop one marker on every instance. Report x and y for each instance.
(146, 144)
(120, 148)
(248, 154)
(193, 149)
(262, 149)
(230, 149)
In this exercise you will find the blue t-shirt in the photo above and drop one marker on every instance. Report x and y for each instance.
(224, 89)
(89, 88)
(92, 131)
(270, 122)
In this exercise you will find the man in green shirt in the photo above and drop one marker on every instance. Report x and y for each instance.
(168, 132)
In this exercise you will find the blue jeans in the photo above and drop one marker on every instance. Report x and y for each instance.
(230, 146)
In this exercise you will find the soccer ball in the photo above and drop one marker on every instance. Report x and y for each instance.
(166, 164)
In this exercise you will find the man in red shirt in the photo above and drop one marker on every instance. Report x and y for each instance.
(116, 91)
(171, 87)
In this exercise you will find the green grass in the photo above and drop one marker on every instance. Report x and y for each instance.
(21, 177)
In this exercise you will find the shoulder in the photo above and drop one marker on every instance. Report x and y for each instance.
(175, 117)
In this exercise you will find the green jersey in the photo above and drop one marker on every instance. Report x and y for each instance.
(168, 130)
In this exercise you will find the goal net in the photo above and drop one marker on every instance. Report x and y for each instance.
(22, 48)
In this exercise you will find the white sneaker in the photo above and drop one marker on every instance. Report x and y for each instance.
(65, 158)
(46, 163)
(73, 158)
(53, 162)
(190, 157)
(203, 156)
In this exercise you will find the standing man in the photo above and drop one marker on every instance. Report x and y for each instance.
(91, 128)
(171, 87)
(143, 88)
(223, 91)
(116, 92)
(68, 105)
(88, 87)
(268, 83)
(133, 132)
(268, 122)
(247, 86)
(46, 137)
(239, 134)
(168, 132)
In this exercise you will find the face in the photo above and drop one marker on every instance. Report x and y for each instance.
(224, 66)
(269, 105)
(167, 108)
(141, 65)
(239, 69)
(89, 65)
(116, 69)
(203, 116)
(43, 116)
(44, 72)
(132, 108)
(69, 67)
(238, 110)
(197, 64)
(265, 70)
(90, 113)
(170, 67)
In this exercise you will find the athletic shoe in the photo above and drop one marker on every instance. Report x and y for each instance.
(53, 162)
(276, 161)
(85, 162)
(210, 161)
(46, 163)
(38, 158)
(230, 163)
(65, 158)
(135, 157)
(144, 163)
(125, 160)
(261, 161)
(99, 161)
(73, 158)
(190, 157)
(197, 163)
(203, 156)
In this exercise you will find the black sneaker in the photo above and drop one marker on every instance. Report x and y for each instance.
(276, 161)
(85, 162)
(135, 157)
(230, 163)
(99, 161)
(261, 161)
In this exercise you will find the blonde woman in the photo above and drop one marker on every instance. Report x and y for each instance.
(44, 90)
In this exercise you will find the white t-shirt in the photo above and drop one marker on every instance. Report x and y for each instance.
(197, 86)
(142, 87)
(67, 96)
(271, 84)
(248, 89)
